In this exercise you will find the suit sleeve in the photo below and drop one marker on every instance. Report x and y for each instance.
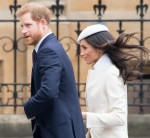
(50, 68)
(117, 105)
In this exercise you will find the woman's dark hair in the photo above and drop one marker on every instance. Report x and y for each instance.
(120, 52)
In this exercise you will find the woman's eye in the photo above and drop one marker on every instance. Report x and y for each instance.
(84, 47)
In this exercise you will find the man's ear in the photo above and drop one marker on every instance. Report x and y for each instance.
(43, 21)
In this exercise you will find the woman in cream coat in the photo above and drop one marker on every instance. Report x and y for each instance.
(106, 90)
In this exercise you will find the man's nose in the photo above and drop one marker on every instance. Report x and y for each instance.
(24, 30)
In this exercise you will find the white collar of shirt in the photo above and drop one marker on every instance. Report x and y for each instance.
(103, 62)
(38, 44)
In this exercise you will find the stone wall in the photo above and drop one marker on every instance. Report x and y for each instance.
(19, 126)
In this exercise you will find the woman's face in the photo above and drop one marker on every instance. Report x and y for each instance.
(89, 53)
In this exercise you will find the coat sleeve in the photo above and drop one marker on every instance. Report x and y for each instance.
(49, 67)
(117, 105)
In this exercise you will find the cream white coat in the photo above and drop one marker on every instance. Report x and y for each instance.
(106, 97)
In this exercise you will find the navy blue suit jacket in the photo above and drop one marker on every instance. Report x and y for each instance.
(54, 98)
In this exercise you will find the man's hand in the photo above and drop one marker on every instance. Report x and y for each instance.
(84, 115)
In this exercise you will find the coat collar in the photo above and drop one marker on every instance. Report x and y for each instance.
(103, 62)
(47, 37)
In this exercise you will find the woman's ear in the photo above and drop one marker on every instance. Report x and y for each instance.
(101, 52)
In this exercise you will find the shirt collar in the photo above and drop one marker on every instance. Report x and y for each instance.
(103, 62)
(38, 44)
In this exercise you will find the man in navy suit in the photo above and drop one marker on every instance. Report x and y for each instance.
(54, 105)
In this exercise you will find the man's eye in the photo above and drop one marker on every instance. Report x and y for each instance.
(28, 25)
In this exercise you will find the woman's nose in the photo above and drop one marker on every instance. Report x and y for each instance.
(81, 53)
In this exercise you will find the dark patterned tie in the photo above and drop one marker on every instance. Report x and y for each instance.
(34, 57)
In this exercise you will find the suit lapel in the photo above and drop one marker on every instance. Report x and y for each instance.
(48, 38)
